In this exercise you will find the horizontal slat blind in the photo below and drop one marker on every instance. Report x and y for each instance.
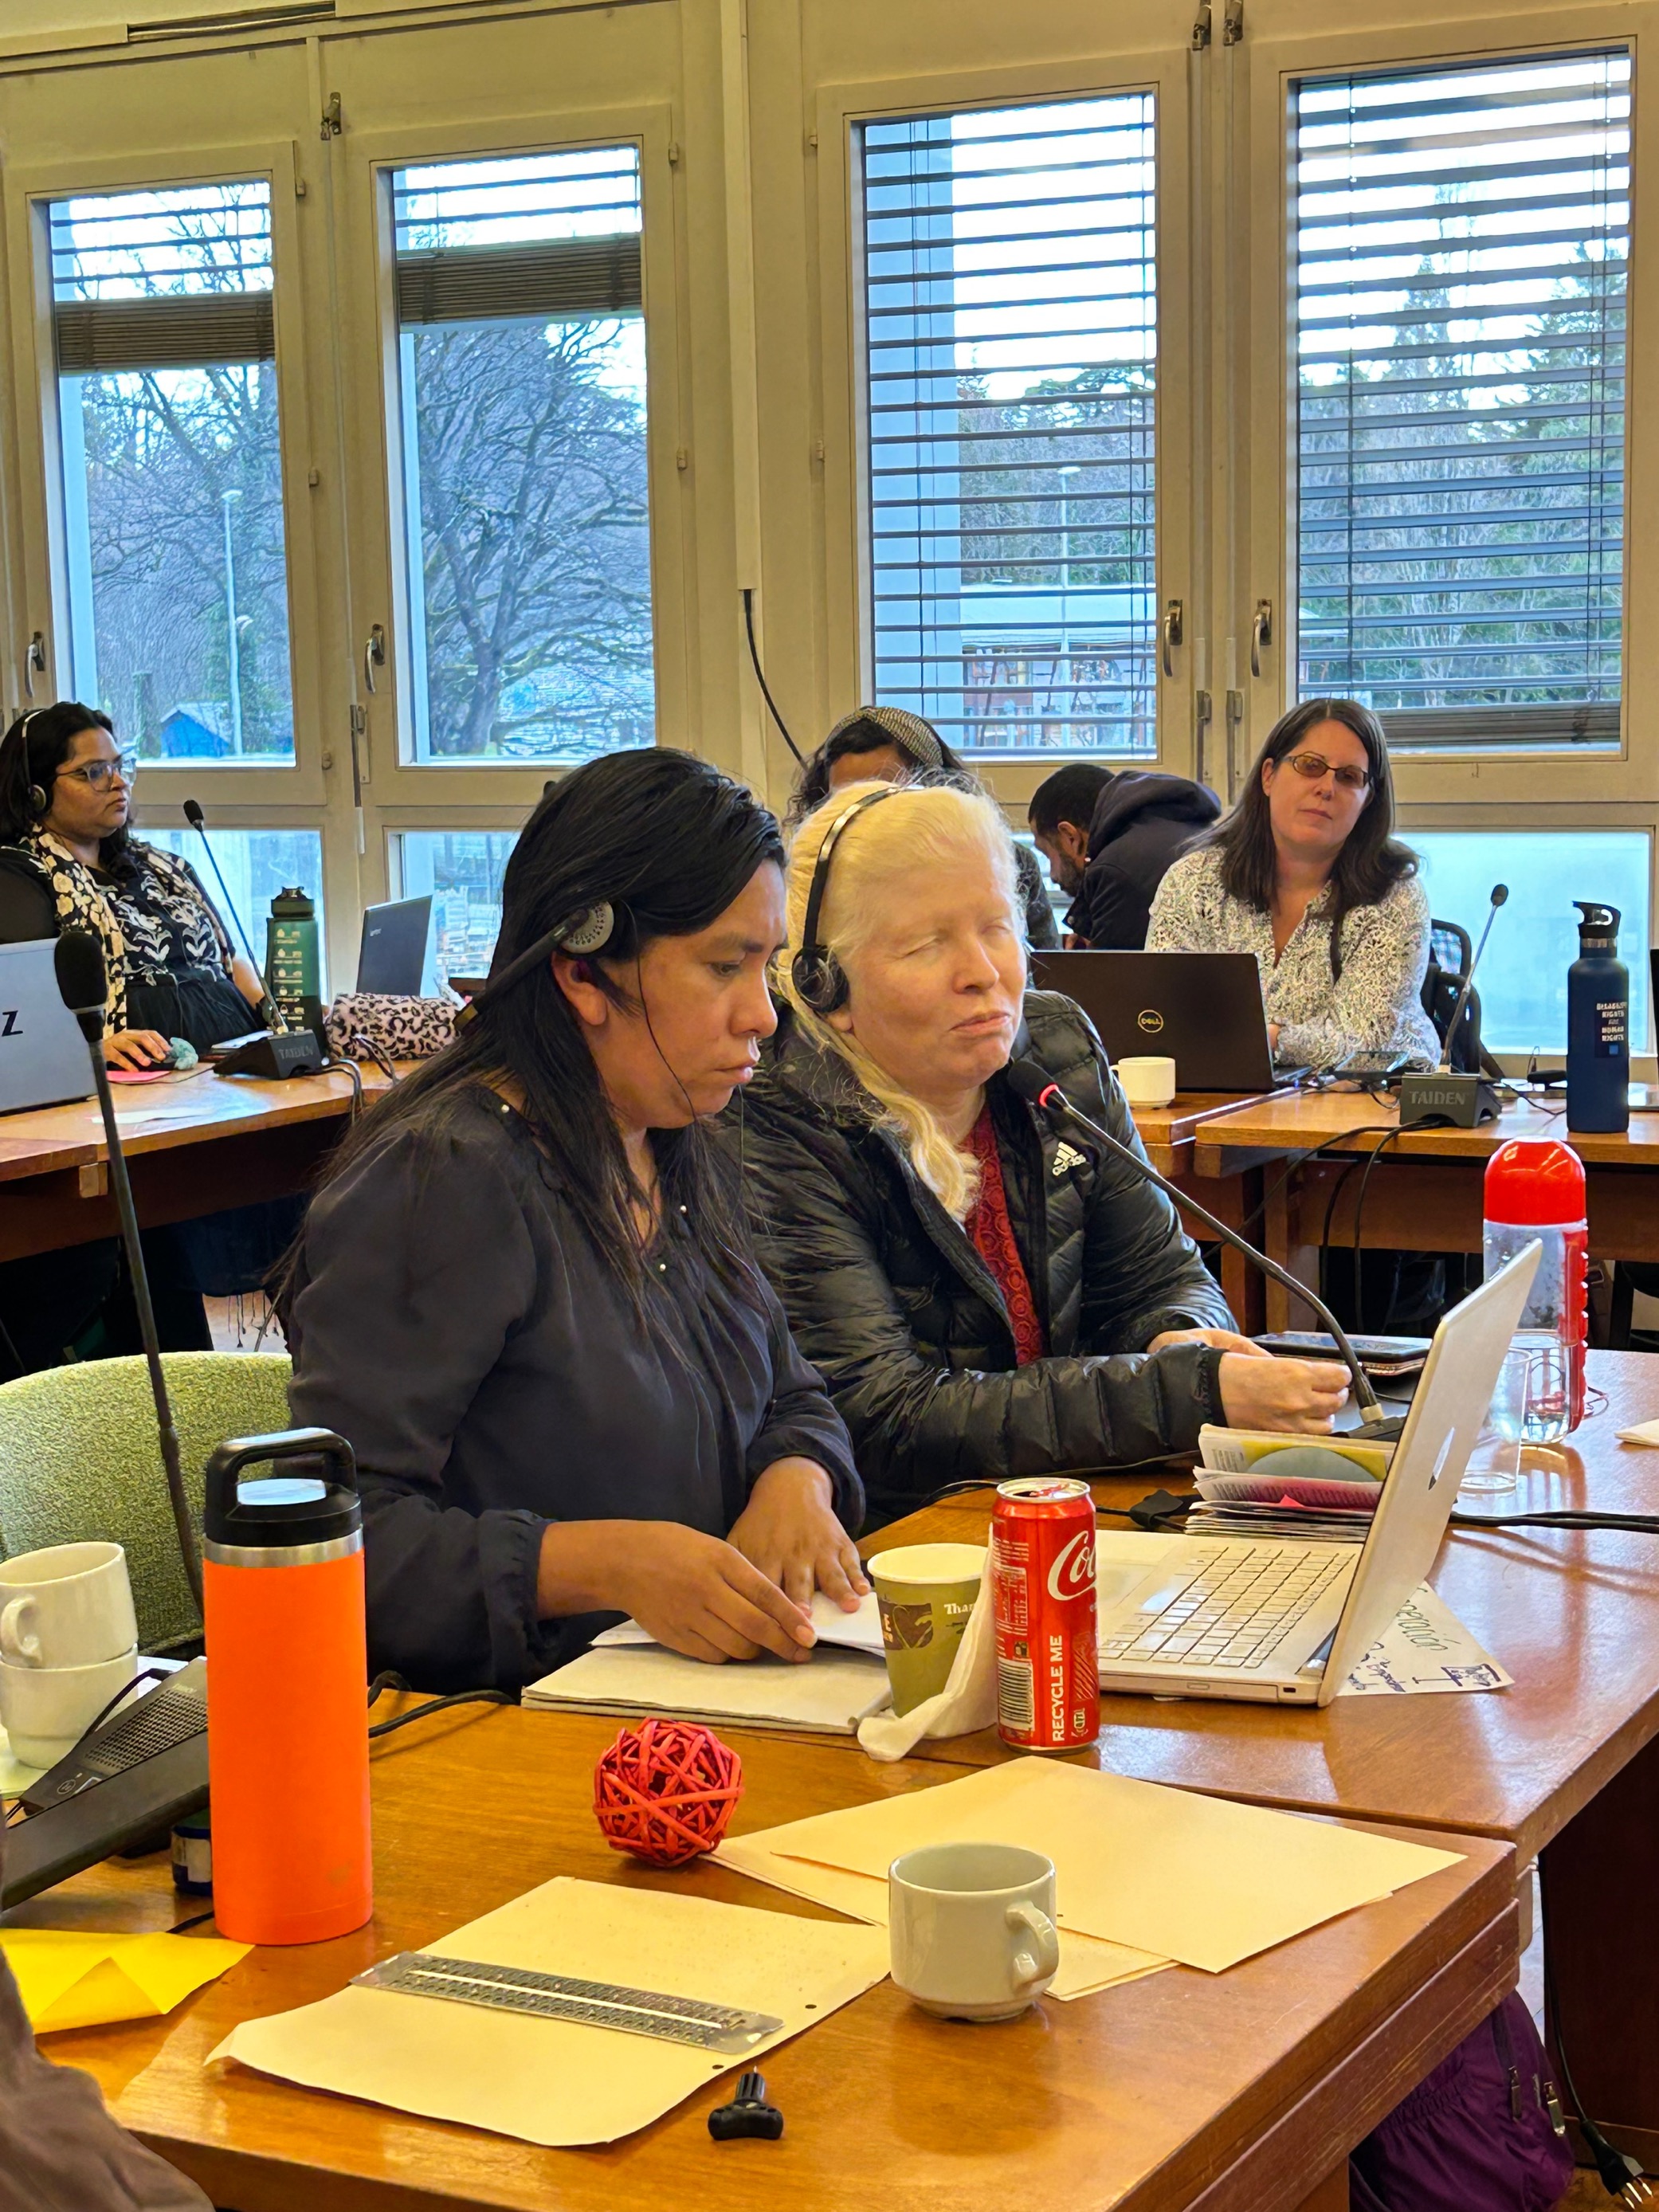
(168, 279)
(1461, 238)
(1009, 299)
(553, 236)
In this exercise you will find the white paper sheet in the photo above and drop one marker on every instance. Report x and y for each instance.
(850, 1631)
(1427, 1649)
(828, 1693)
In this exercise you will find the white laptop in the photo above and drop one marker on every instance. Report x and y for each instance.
(43, 1054)
(1287, 1623)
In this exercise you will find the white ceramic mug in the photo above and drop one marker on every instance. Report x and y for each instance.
(973, 1929)
(68, 1607)
(46, 1711)
(1149, 1080)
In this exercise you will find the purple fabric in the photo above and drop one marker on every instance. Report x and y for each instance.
(1476, 2135)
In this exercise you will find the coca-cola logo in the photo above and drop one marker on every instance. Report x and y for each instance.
(1074, 1569)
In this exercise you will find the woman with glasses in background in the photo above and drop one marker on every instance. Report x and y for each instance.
(68, 860)
(1305, 871)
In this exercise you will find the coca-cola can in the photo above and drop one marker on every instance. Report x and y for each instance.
(1042, 1565)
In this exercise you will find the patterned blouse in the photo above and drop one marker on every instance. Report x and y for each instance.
(1373, 1005)
(148, 911)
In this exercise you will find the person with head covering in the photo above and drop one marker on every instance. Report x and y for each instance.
(985, 1295)
(525, 1294)
(895, 747)
(1110, 836)
(1306, 872)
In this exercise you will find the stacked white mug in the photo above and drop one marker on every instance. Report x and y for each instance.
(69, 1643)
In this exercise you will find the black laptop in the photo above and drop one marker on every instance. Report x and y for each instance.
(1201, 1010)
(392, 959)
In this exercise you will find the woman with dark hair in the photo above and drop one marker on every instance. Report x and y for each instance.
(523, 1292)
(68, 860)
(883, 744)
(1306, 872)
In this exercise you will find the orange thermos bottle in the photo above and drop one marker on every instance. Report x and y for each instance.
(288, 1673)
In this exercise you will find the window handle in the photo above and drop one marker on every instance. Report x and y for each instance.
(1171, 627)
(35, 662)
(1261, 633)
(374, 655)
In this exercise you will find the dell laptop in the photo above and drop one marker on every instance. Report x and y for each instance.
(392, 960)
(1287, 1622)
(43, 1054)
(1202, 1009)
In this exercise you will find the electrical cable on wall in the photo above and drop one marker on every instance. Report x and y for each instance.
(760, 674)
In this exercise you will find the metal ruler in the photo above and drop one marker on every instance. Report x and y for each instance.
(561, 1996)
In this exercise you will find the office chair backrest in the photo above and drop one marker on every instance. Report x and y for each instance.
(1450, 951)
(79, 1461)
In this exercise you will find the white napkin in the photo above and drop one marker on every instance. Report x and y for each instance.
(1644, 1432)
(967, 1701)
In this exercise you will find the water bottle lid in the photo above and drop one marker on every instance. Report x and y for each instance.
(1534, 1182)
(257, 1498)
(1598, 926)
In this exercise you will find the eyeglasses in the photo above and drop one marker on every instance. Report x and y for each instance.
(1314, 766)
(99, 775)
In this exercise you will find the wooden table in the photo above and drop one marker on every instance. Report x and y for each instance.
(1565, 1766)
(192, 1148)
(1425, 1193)
(1235, 2093)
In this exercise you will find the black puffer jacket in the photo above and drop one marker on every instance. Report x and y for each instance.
(889, 1299)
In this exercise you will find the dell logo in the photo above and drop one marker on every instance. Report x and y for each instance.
(8, 1021)
(1149, 1019)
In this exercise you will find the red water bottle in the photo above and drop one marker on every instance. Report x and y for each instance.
(287, 1684)
(1534, 1188)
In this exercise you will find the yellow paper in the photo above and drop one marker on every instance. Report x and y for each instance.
(555, 2081)
(1165, 1871)
(70, 1979)
(1086, 1964)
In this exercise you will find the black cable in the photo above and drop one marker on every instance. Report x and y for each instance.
(11, 1351)
(376, 1055)
(440, 1705)
(1377, 1152)
(347, 1067)
(1643, 1524)
(760, 674)
(1301, 1159)
(1621, 2175)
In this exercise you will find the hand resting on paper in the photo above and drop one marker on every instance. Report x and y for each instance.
(694, 1593)
(1262, 1392)
(788, 1529)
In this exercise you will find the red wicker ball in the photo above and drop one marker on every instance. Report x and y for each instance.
(665, 1791)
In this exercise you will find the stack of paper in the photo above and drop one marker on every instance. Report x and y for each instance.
(828, 1693)
(1242, 1493)
(559, 2081)
(1165, 1872)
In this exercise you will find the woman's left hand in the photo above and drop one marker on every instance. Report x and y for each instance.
(788, 1529)
(1224, 1340)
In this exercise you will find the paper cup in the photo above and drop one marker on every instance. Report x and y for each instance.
(1147, 1081)
(925, 1592)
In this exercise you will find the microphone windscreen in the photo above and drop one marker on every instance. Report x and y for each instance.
(78, 962)
(1028, 1079)
(1500, 893)
(194, 813)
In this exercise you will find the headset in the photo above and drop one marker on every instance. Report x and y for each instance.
(38, 797)
(589, 930)
(819, 979)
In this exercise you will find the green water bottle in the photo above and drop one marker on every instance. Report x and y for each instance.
(294, 963)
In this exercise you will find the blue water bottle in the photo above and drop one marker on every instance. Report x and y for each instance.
(1598, 1024)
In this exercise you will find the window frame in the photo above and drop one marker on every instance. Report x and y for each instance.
(272, 789)
(841, 108)
(1486, 775)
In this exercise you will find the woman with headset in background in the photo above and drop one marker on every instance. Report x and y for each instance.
(983, 1296)
(883, 744)
(69, 860)
(524, 1293)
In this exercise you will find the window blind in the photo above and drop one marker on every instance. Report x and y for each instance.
(167, 279)
(1461, 238)
(1010, 348)
(554, 236)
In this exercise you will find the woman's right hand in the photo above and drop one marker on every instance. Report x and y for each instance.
(1301, 1395)
(695, 1593)
(135, 1050)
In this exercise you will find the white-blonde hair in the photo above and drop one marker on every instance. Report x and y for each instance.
(921, 826)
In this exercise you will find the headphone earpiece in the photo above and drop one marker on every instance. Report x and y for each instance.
(819, 979)
(40, 803)
(590, 930)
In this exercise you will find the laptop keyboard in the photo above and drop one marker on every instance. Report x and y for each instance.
(1235, 1608)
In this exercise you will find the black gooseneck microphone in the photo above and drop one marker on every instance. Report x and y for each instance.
(268, 1010)
(1500, 893)
(1037, 1086)
(78, 962)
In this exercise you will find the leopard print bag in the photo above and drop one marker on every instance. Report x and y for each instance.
(367, 1024)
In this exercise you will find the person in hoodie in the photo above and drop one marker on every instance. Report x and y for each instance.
(1109, 836)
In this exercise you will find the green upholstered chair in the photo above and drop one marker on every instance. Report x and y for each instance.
(79, 1460)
